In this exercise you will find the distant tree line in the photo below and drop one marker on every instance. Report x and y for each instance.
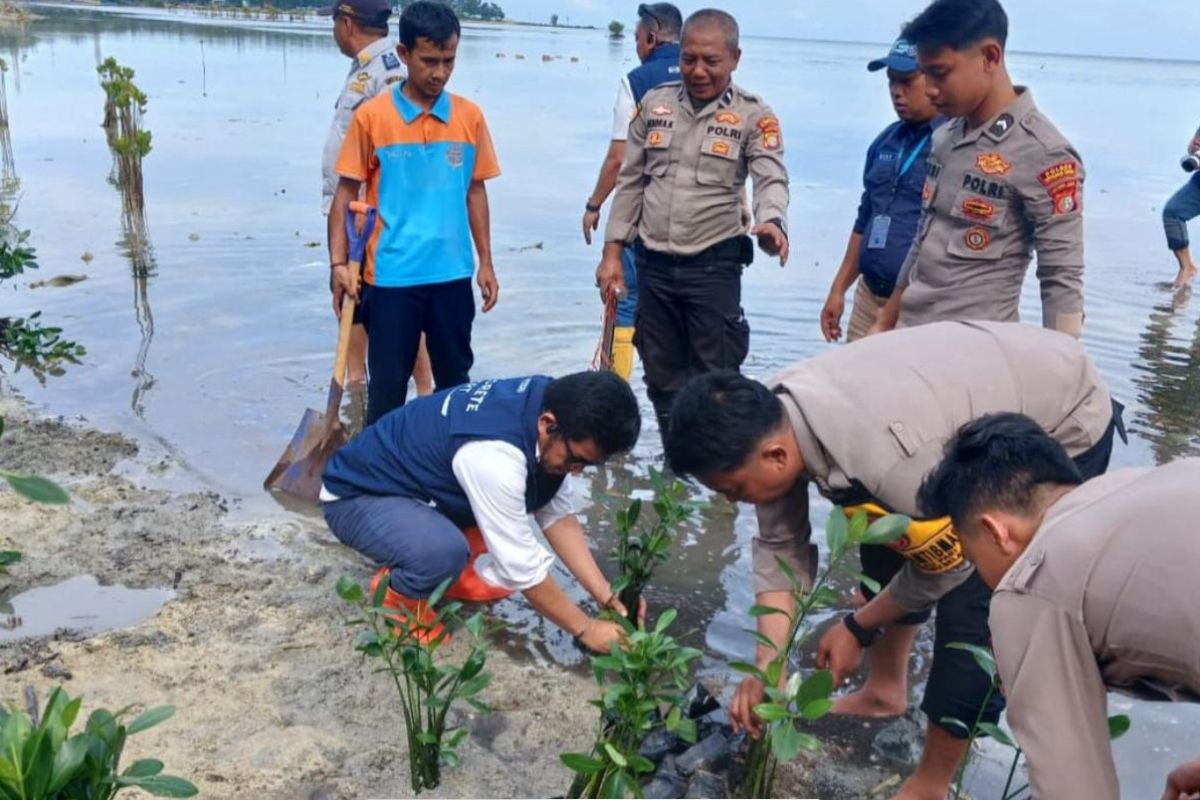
(467, 9)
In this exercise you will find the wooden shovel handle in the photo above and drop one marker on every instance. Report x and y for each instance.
(345, 322)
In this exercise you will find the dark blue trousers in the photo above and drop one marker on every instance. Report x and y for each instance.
(395, 318)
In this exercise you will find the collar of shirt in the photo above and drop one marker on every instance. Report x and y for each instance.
(410, 110)
(374, 50)
(816, 461)
(1016, 111)
(668, 51)
(685, 102)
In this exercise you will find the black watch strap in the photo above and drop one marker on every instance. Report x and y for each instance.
(865, 637)
(590, 206)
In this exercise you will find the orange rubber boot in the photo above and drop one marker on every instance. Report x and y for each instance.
(421, 631)
(469, 585)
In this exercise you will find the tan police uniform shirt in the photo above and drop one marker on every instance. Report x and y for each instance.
(1104, 596)
(993, 195)
(679, 186)
(373, 70)
(872, 420)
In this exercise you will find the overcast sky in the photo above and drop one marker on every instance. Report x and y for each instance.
(1130, 28)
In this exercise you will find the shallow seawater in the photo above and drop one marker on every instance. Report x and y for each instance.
(79, 604)
(209, 346)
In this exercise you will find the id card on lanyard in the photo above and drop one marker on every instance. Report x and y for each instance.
(880, 224)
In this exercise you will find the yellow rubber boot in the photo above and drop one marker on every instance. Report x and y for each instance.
(622, 352)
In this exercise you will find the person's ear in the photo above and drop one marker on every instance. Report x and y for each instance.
(995, 532)
(547, 423)
(993, 55)
(775, 456)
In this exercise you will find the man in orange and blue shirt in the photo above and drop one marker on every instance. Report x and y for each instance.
(424, 155)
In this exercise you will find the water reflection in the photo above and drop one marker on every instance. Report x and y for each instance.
(702, 549)
(1168, 380)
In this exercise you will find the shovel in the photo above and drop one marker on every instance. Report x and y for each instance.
(298, 472)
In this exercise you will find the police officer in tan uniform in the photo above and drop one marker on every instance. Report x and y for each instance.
(1095, 589)
(690, 149)
(1001, 183)
(816, 423)
(360, 28)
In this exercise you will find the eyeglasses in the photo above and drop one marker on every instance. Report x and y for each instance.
(573, 458)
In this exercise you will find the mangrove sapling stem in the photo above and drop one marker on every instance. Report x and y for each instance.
(1012, 770)
(807, 699)
(962, 767)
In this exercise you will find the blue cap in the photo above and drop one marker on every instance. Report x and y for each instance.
(902, 58)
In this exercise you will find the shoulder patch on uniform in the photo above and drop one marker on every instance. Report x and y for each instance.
(391, 61)
(772, 136)
(1000, 128)
(1063, 170)
(992, 164)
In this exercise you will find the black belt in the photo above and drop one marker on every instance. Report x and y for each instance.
(735, 250)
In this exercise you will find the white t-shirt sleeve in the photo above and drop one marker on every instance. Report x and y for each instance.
(493, 474)
(561, 505)
(623, 111)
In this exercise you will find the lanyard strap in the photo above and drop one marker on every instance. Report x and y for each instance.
(905, 167)
(911, 156)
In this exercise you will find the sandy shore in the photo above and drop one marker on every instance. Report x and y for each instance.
(272, 702)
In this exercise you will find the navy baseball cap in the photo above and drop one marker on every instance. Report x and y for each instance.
(373, 13)
(902, 58)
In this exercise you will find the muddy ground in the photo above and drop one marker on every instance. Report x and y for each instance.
(252, 650)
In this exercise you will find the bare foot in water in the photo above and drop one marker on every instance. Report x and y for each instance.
(868, 703)
(1185, 276)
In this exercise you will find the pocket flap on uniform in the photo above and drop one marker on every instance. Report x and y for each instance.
(721, 147)
(979, 210)
(658, 139)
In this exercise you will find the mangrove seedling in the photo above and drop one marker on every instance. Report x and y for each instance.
(428, 686)
(41, 760)
(644, 686)
(1118, 724)
(638, 555)
(25, 340)
(802, 698)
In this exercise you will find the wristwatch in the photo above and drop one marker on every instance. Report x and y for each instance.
(590, 206)
(865, 637)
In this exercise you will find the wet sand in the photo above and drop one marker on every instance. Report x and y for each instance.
(272, 702)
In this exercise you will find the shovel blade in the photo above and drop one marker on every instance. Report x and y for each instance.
(298, 472)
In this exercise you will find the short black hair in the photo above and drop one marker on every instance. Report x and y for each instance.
(721, 19)
(957, 24)
(717, 420)
(430, 20)
(997, 462)
(597, 406)
(665, 17)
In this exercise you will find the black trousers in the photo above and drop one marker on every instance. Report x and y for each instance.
(395, 318)
(689, 321)
(956, 685)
